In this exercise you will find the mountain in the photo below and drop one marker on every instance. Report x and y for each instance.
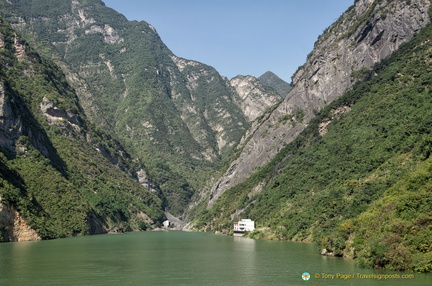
(356, 179)
(178, 116)
(272, 80)
(364, 35)
(59, 175)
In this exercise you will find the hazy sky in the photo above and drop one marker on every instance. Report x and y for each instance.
(247, 37)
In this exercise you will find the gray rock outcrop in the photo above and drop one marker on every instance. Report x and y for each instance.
(254, 98)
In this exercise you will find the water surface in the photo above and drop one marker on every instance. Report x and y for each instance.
(179, 258)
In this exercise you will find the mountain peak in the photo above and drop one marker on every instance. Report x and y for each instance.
(272, 80)
(269, 74)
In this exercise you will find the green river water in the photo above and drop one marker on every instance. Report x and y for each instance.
(182, 258)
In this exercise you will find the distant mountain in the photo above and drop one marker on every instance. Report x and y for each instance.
(272, 80)
(59, 175)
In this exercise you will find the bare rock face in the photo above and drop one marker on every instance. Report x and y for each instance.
(367, 33)
(2, 43)
(14, 226)
(146, 182)
(55, 115)
(110, 34)
(254, 98)
(208, 106)
(19, 48)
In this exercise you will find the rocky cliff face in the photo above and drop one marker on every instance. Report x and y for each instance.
(254, 98)
(207, 106)
(13, 226)
(363, 36)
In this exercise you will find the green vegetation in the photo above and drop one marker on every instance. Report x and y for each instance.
(363, 189)
(50, 169)
(395, 231)
(298, 116)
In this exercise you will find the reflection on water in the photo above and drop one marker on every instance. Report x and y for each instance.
(245, 258)
(174, 258)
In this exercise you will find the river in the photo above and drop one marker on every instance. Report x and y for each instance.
(182, 258)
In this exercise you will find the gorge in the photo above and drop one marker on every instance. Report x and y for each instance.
(102, 126)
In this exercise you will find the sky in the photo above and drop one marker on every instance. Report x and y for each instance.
(247, 37)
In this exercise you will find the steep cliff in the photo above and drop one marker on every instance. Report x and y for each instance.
(364, 35)
(59, 176)
(254, 97)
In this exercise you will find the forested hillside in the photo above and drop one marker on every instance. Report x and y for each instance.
(58, 172)
(358, 179)
(179, 116)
